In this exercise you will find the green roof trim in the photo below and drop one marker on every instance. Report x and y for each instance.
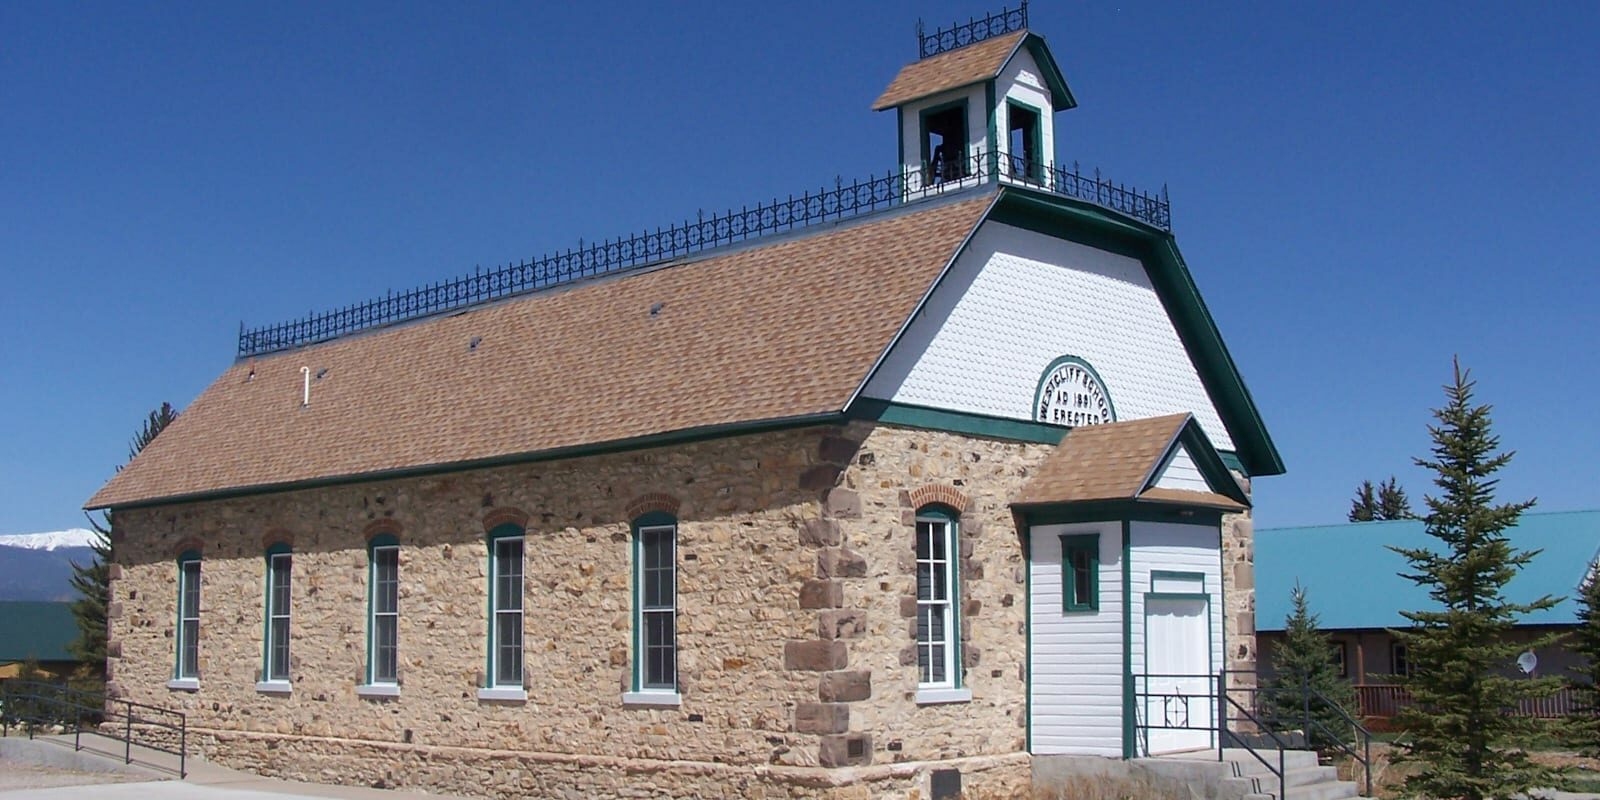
(1060, 96)
(1088, 224)
(41, 631)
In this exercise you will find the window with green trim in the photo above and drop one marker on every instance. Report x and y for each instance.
(655, 602)
(938, 625)
(188, 616)
(944, 142)
(505, 603)
(280, 564)
(1080, 572)
(1024, 141)
(383, 603)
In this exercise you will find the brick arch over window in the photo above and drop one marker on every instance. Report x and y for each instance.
(190, 544)
(939, 494)
(381, 527)
(505, 515)
(277, 536)
(659, 502)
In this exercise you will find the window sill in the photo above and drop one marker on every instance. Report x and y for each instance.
(274, 687)
(928, 697)
(378, 690)
(184, 684)
(504, 694)
(655, 699)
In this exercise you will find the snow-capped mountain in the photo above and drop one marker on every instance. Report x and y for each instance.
(73, 537)
(38, 566)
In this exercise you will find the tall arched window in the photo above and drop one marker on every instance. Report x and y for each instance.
(505, 614)
(383, 610)
(655, 617)
(938, 599)
(275, 655)
(187, 669)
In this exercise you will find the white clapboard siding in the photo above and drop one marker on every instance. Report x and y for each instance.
(1180, 472)
(1016, 301)
(1076, 678)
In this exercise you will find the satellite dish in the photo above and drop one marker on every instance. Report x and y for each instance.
(1527, 662)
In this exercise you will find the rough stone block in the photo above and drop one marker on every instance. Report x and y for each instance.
(816, 656)
(845, 750)
(908, 654)
(841, 624)
(821, 594)
(819, 533)
(843, 504)
(840, 563)
(908, 607)
(819, 477)
(114, 611)
(836, 449)
(845, 687)
(821, 718)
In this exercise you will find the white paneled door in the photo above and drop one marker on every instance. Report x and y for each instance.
(1178, 709)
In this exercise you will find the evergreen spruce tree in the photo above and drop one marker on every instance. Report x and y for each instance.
(1364, 508)
(1584, 723)
(92, 579)
(1305, 660)
(1392, 501)
(1461, 741)
(1384, 501)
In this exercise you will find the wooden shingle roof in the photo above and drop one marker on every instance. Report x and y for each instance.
(952, 70)
(777, 331)
(1116, 462)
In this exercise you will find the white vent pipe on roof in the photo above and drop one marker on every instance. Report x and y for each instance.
(305, 398)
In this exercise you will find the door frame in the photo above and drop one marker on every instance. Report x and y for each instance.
(1204, 595)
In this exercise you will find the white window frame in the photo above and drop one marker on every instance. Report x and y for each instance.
(278, 615)
(944, 527)
(186, 675)
(375, 615)
(500, 608)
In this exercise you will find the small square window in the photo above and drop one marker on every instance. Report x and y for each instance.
(1080, 572)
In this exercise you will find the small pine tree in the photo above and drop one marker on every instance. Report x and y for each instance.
(1392, 501)
(1461, 740)
(1364, 508)
(1584, 723)
(1305, 661)
(1384, 501)
(92, 579)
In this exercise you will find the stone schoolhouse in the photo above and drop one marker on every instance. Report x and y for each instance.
(875, 492)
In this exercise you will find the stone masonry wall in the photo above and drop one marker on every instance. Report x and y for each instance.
(749, 508)
(796, 598)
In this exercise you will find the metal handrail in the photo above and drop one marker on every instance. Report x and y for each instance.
(78, 705)
(1308, 723)
(1217, 696)
(843, 201)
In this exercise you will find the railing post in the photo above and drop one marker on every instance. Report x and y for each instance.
(1222, 713)
(127, 738)
(183, 752)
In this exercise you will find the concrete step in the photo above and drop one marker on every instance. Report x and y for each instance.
(1249, 764)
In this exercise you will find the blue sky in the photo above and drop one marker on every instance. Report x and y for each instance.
(1362, 190)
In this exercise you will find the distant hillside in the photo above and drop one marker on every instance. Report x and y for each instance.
(39, 566)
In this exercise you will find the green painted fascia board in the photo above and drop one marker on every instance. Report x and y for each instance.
(911, 416)
(1060, 96)
(554, 454)
(1218, 370)
(1210, 462)
(1127, 510)
(1084, 223)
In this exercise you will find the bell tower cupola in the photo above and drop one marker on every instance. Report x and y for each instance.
(978, 104)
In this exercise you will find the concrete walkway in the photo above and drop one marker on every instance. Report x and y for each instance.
(47, 768)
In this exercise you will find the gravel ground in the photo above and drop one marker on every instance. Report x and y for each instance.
(28, 776)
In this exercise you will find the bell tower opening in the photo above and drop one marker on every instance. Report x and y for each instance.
(944, 143)
(1023, 142)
